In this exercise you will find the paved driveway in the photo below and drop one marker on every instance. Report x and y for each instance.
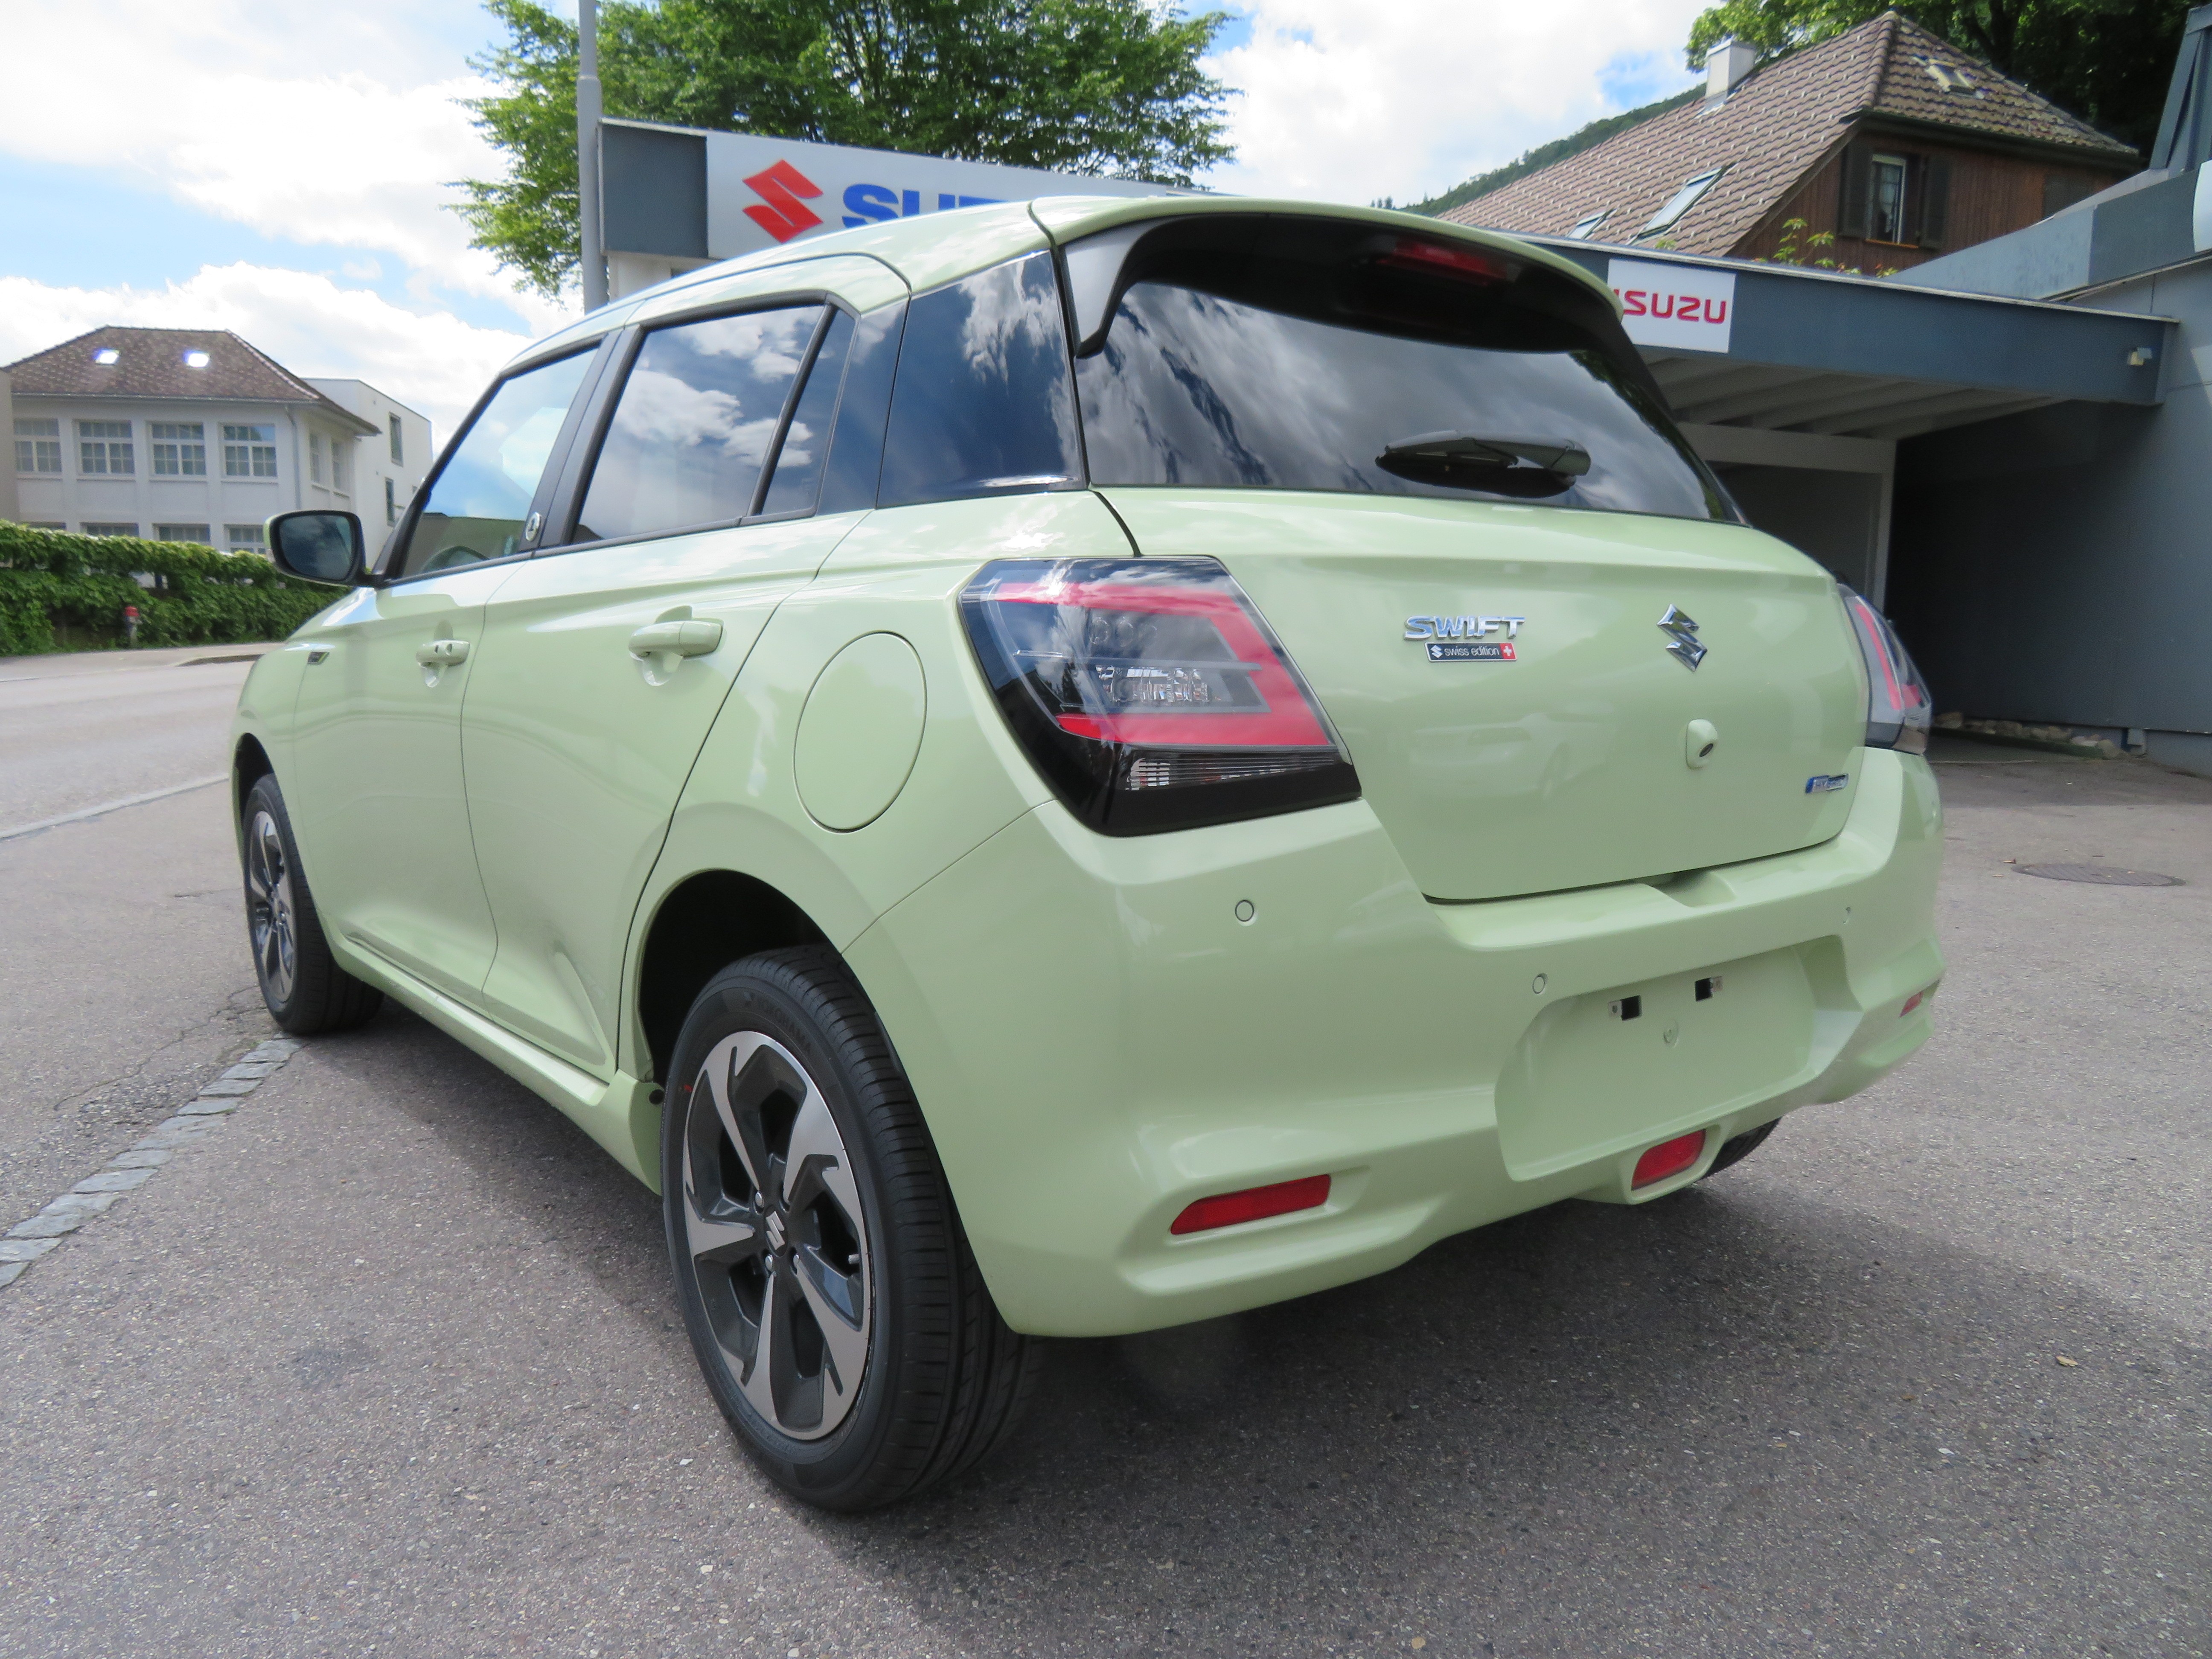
(386, 1363)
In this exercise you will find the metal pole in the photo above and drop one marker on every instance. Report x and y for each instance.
(588, 110)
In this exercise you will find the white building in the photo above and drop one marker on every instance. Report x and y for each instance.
(192, 436)
(386, 471)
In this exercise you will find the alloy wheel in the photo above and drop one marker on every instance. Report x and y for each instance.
(269, 907)
(777, 1239)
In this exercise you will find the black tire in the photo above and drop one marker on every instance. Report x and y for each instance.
(941, 1377)
(1736, 1148)
(302, 984)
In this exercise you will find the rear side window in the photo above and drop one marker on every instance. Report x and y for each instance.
(798, 476)
(481, 500)
(697, 416)
(982, 405)
(1317, 356)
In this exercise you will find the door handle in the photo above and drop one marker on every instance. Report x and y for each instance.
(685, 639)
(439, 652)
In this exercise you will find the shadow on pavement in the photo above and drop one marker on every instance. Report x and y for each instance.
(1736, 1418)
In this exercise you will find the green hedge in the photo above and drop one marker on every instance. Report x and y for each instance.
(80, 584)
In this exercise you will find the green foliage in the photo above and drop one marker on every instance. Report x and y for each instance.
(199, 596)
(1543, 154)
(1100, 87)
(2107, 61)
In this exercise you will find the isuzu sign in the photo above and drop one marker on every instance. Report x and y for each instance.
(761, 192)
(1690, 307)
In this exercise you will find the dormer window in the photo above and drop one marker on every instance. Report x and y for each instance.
(1681, 202)
(1586, 228)
(196, 360)
(105, 356)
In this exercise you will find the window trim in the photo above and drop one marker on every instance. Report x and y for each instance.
(583, 456)
(1902, 163)
(395, 545)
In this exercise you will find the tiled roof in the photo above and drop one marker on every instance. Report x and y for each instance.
(154, 362)
(1778, 125)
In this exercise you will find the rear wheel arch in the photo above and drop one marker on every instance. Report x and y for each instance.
(706, 921)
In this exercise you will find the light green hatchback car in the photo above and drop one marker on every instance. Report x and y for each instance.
(1061, 768)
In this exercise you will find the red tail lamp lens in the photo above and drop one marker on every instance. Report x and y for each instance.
(1150, 693)
(1668, 1158)
(1899, 710)
(1253, 1204)
(1915, 1001)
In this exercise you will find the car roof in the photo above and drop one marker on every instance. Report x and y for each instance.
(932, 249)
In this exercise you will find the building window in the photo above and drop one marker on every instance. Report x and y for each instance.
(1587, 226)
(45, 527)
(315, 458)
(104, 447)
(399, 449)
(180, 449)
(391, 503)
(110, 529)
(246, 537)
(338, 463)
(182, 532)
(1681, 202)
(38, 445)
(1886, 205)
(249, 452)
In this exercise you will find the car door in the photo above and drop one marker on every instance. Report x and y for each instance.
(605, 661)
(376, 789)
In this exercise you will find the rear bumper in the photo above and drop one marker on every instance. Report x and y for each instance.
(1097, 1039)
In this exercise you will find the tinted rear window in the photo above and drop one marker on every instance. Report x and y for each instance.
(1278, 355)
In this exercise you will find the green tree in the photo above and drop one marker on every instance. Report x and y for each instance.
(2107, 61)
(1102, 87)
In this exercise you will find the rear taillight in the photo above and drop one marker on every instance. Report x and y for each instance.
(1149, 694)
(1898, 708)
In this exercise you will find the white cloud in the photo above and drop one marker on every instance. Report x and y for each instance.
(436, 363)
(293, 120)
(1351, 100)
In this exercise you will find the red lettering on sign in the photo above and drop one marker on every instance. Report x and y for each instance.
(1717, 311)
(1633, 301)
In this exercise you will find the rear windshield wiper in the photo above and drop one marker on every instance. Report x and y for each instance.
(1472, 461)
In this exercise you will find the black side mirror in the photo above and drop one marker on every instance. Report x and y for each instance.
(318, 546)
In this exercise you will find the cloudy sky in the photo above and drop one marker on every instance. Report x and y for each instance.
(281, 170)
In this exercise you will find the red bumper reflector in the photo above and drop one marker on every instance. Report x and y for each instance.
(1253, 1204)
(1913, 1001)
(1668, 1158)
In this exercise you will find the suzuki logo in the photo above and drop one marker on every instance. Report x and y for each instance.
(1680, 628)
(785, 215)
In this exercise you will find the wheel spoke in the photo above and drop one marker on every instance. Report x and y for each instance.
(724, 1240)
(771, 1349)
(845, 1340)
(818, 1162)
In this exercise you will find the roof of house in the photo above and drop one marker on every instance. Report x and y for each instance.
(159, 363)
(1778, 125)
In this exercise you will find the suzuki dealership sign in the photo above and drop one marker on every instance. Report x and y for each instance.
(1687, 306)
(684, 193)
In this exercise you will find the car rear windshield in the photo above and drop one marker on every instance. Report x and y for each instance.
(1275, 354)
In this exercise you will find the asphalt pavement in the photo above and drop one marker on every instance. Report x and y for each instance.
(388, 1363)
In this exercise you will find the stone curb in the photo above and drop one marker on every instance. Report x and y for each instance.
(30, 1240)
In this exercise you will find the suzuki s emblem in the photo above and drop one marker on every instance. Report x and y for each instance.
(1682, 631)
